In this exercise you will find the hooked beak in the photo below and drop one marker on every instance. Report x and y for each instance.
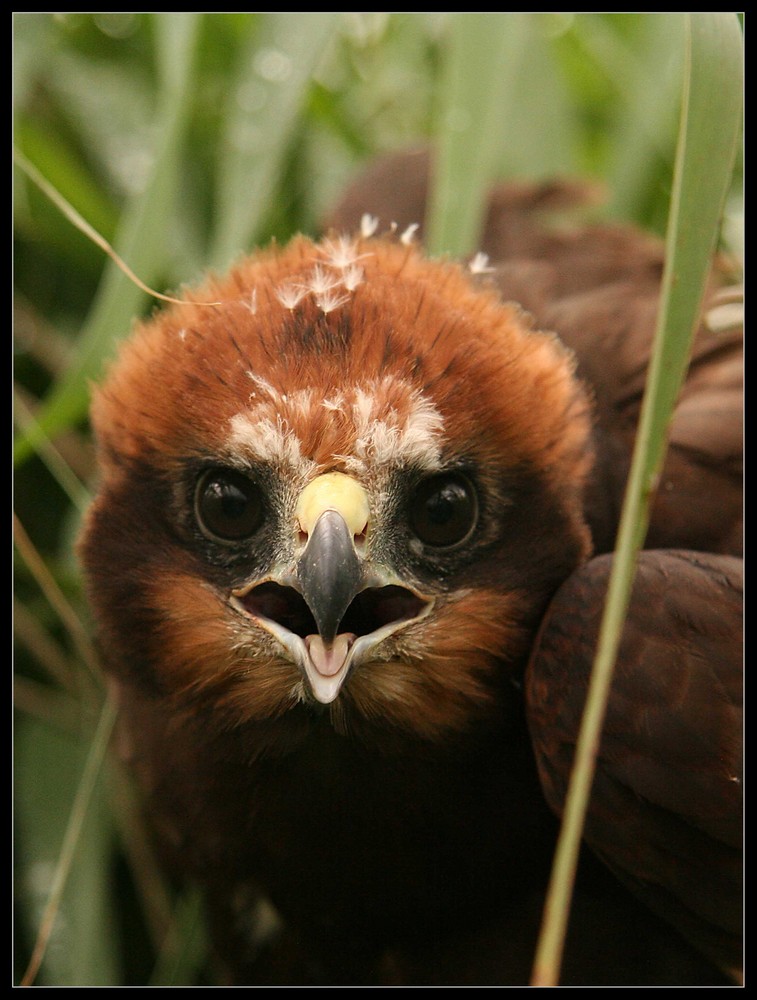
(335, 608)
(330, 572)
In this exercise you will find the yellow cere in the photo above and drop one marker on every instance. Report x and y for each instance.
(334, 491)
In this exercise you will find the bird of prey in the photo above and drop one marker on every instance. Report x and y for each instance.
(345, 564)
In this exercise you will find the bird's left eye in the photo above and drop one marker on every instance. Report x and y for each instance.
(444, 510)
(228, 505)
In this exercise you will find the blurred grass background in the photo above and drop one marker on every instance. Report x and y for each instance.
(185, 139)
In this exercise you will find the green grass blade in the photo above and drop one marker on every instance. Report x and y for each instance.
(266, 100)
(186, 948)
(140, 240)
(84, 907)
(66, 173)
(50, 587)
(78, 495)
(707, 142)
(643, 134)
(478, 75)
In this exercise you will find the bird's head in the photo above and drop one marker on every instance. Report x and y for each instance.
(344, 490)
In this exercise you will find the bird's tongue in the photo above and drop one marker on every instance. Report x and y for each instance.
(328, 660)
(327, 665)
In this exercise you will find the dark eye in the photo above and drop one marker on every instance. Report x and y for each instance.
(228, 505)
(444, 510)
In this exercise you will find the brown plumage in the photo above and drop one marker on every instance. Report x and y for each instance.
(668, 788)
(334, 508)
(597, 285)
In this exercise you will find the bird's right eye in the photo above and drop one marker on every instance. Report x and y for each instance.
(228, 505)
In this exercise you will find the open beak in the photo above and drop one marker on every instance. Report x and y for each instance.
(329, 571)
(334, 609)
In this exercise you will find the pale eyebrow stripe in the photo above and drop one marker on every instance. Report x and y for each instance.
(392, 439)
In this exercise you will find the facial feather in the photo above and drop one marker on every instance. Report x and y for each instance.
(352, 355)
(420, 321)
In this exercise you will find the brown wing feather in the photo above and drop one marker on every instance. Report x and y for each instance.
(666, 806)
